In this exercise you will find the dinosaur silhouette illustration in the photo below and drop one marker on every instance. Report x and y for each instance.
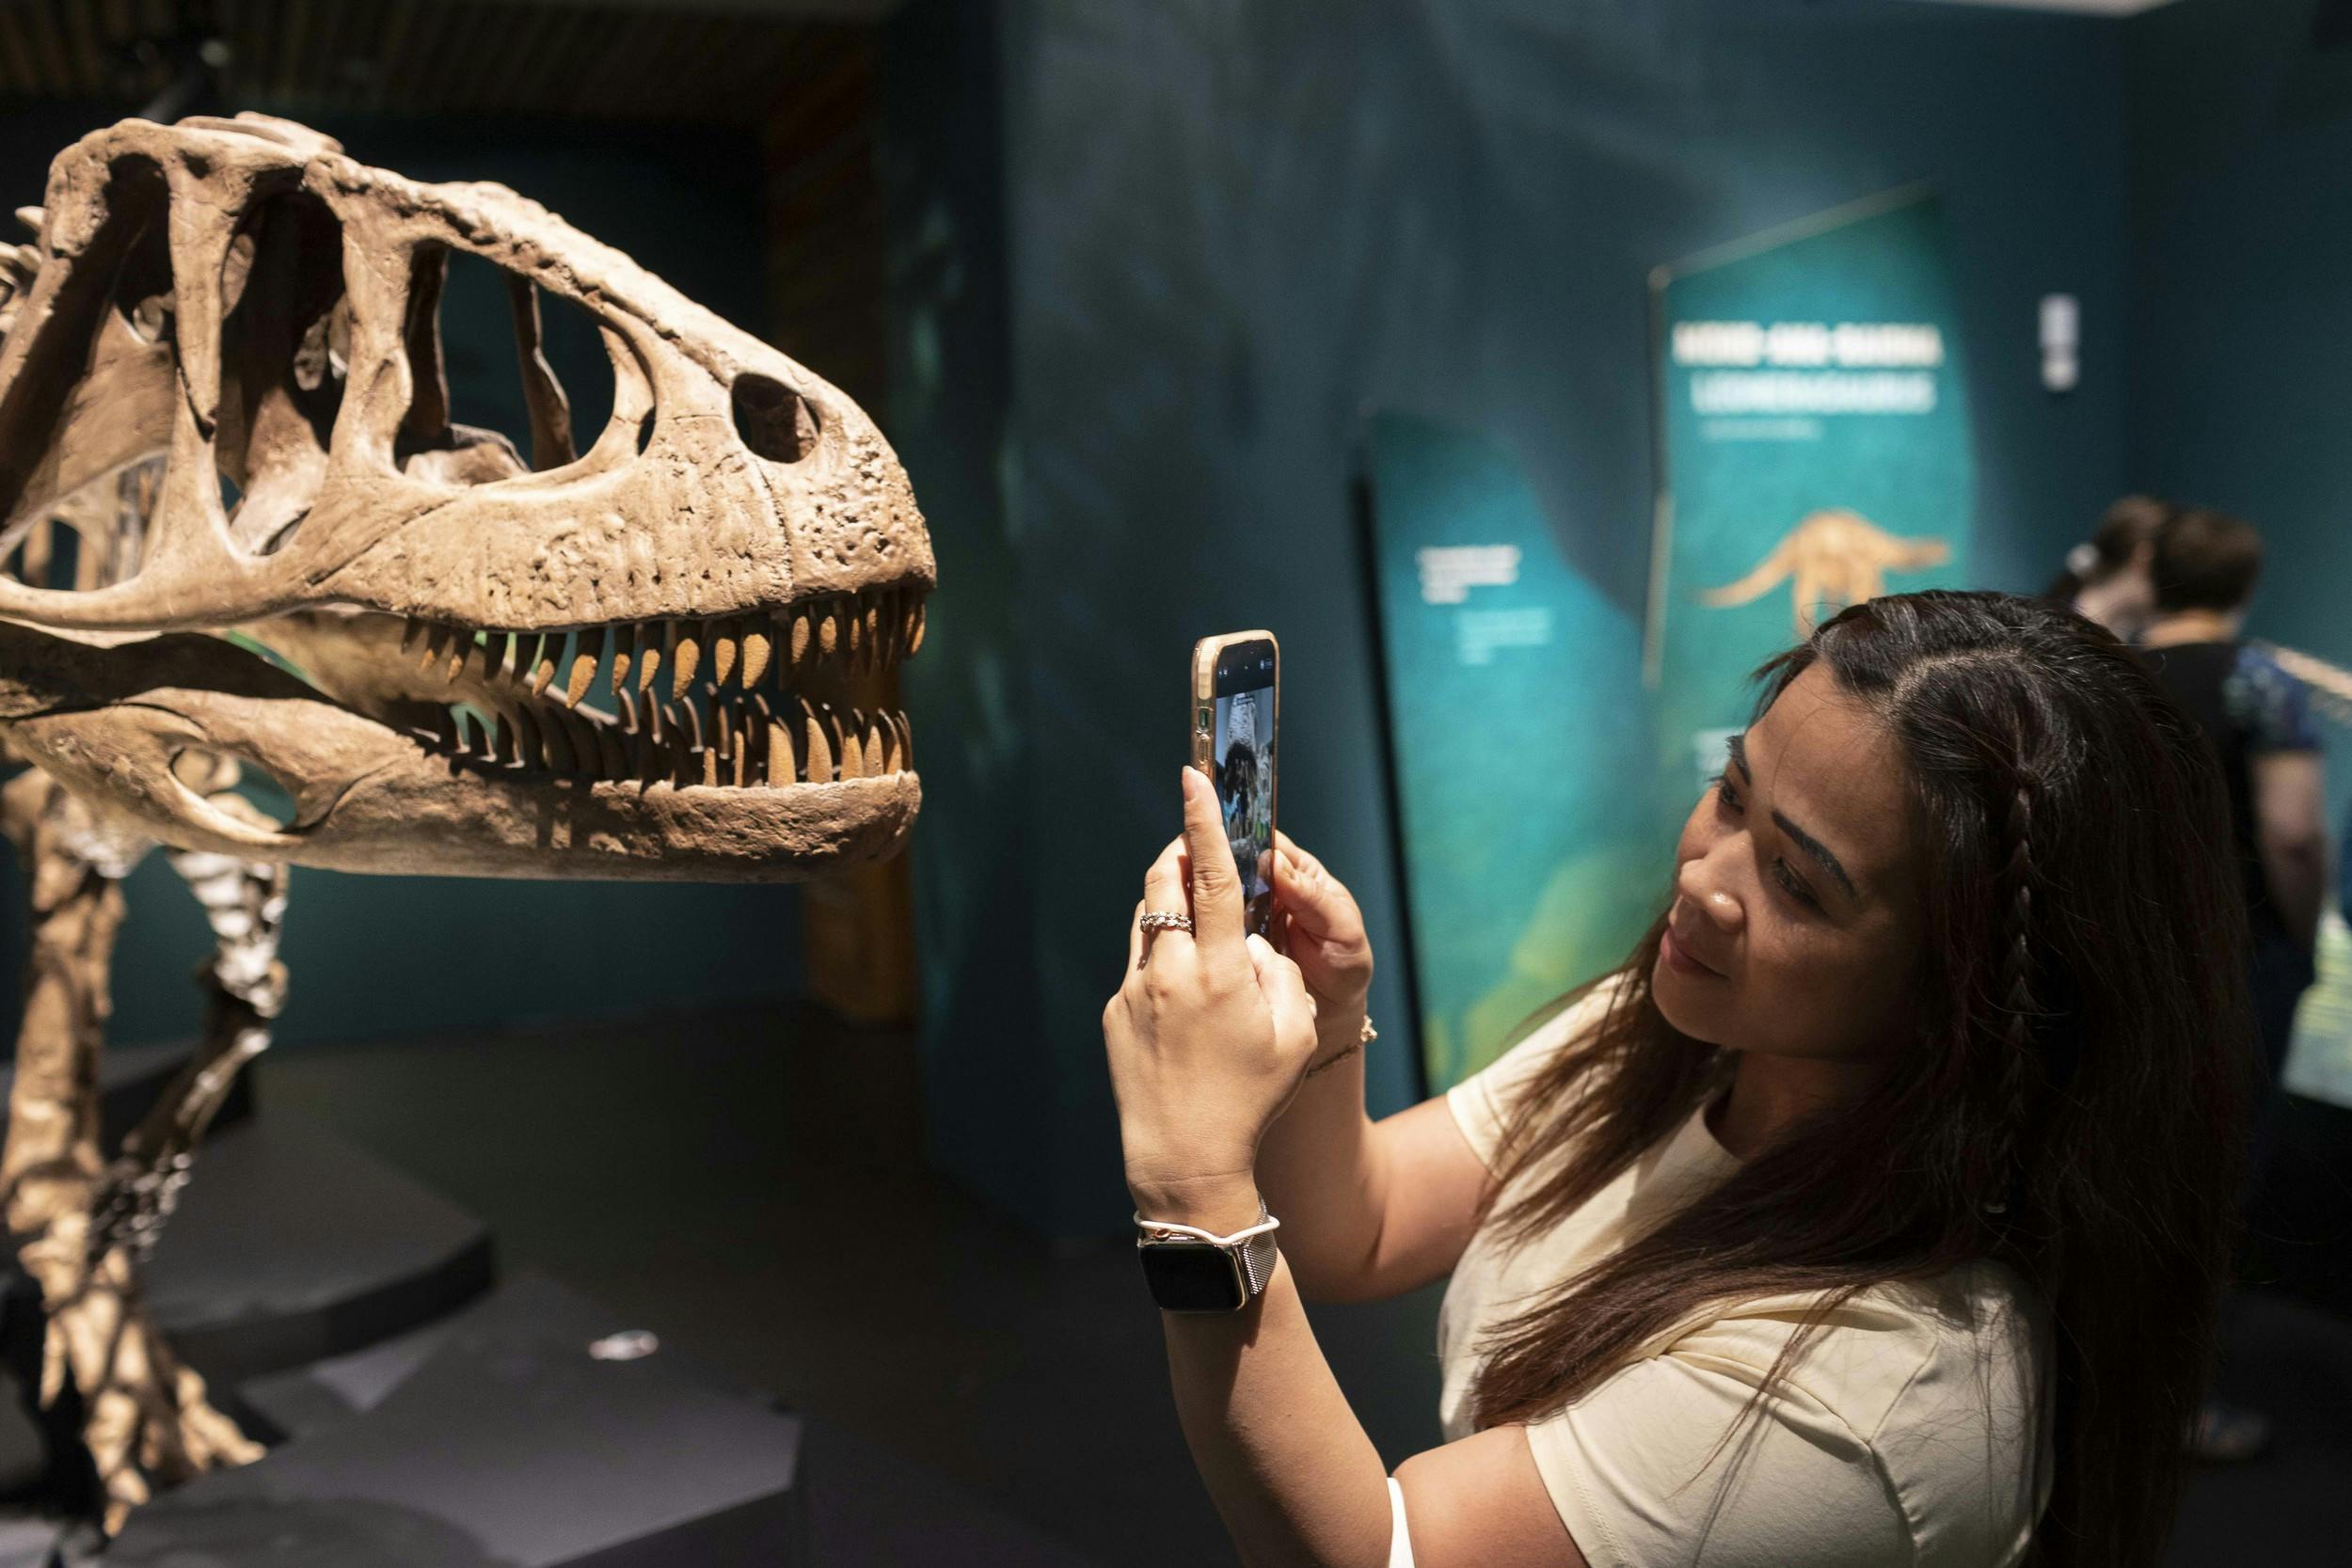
(1832, 558)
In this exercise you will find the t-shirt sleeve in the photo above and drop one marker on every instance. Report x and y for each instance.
(1643, 1473)
(1482, 1101)
(2275, 707)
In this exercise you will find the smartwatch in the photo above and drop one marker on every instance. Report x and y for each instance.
(1191, 1270)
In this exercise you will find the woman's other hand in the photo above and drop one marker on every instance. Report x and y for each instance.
(1208, 1036)
(1317, 923)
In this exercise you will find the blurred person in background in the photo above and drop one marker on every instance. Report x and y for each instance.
(2202, 570)
(2107, 575)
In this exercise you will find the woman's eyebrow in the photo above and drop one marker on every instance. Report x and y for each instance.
(1738, 745)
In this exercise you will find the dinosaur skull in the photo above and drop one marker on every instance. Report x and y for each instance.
(222, 369)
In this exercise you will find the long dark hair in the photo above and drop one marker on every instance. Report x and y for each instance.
(2128, 523)
(2071, 1107)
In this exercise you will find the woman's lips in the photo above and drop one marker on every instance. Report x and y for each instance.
(1682, 959)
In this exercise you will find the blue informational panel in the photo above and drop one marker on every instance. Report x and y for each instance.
(1815, 451)
(1535, 848)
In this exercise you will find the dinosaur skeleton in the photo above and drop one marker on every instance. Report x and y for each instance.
(1832, 558)
(221, 383)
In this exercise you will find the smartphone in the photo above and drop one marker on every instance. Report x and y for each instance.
(1236, 704)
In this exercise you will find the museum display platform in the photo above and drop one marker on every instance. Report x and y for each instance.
(423, 1411)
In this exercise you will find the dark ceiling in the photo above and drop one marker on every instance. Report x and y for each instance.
(723, 61)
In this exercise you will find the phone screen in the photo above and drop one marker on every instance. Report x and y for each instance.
(1242, 753)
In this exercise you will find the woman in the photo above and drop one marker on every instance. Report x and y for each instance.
(1873, 1212)
(2107, 577)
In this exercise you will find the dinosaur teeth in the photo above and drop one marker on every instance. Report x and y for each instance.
(410, 632)
(650, 649)
(758, 649)
(686, 652)
(725, 644)
(624, 650)
(819, 748)
(583, 670)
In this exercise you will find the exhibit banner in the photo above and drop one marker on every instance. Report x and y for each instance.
(1533, 845)
(1815, 451)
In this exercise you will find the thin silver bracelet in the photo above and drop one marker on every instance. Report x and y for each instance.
(1363, 1039)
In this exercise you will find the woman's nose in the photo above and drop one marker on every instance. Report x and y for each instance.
(1699, 885)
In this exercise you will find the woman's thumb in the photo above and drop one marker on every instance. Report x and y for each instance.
(1283, 987)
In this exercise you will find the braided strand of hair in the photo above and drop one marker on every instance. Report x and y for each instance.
(2015, 1070)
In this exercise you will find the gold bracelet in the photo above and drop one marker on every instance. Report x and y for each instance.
(1363, 1039)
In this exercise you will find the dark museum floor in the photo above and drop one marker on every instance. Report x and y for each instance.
(748, 1184)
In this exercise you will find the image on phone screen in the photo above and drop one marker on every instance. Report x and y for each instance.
(1244, 772)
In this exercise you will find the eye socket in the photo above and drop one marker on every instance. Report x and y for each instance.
(775, 421)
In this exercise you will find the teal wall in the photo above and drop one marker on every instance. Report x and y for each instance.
(373, 956)
(2241, 326)
(1229, 230)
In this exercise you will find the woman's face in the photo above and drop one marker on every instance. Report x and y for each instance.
(1796, 924)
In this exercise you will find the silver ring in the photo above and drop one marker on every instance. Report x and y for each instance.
(1165, 920)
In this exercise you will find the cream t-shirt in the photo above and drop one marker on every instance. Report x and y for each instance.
(1904, 1435)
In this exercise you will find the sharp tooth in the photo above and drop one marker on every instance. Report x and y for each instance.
(725, 641)
(686, 652)
(629, 711)
(411, 632)
(477, 738)
(435, 647)
(849, 739)
(654, 730)
(743, 771)
(496, 646)
(872, 642)
(711, 768)
(893, 617)
(461, 649)
(650, 652)
(820, 750)
(801, 634)
(780, 768)
(894, 748)
(828, 627)
(624, 651)
(445, 728)
(543, 672)
(534, 750)
(757, 649)
(584, 664)
(506, 740)
(915, 636)
(878, 760)
(692, 716)
(526, 656)
(615, 754)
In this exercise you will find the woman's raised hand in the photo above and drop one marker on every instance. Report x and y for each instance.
(1208, 1036)
(1318, 925)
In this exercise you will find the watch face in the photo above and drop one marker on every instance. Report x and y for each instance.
(1193, 1277)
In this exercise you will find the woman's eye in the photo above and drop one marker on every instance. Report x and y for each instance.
(1725, 792)
(1794, 886)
